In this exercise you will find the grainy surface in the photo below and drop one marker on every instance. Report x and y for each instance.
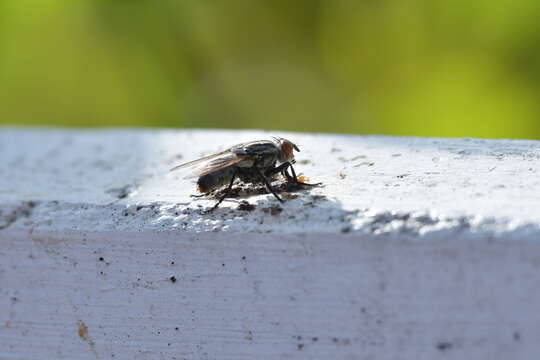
(413, 249)
(258, 296)
(118, 179)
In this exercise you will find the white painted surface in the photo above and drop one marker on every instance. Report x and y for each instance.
(404, 254)
(372, 184)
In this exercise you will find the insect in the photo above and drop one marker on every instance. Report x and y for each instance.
(252, 162)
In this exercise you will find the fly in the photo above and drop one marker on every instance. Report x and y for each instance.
(252, 162)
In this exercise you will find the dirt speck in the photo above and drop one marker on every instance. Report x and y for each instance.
(343, 341)
(172, 279)
(83, 334)
(245, 206)
(122, 192)
(289, 196)
(364, 163)
(444, 346)
(304, 162)
(300, 346)
(273, 210)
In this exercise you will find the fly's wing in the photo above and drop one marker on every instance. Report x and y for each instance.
(210, 163)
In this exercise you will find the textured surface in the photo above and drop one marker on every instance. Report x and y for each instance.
(105, 180)
(167, 295)
(403, 254)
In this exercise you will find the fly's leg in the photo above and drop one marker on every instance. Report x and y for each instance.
(226, 193)
(296, 178)
(261, 175)
(283, 169)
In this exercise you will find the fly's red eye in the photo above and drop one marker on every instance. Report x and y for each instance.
(287, 149)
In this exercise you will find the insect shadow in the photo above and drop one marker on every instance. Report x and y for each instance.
(302, 210)
(238, 193)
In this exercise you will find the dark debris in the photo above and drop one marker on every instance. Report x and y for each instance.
(273, 210)
(245, 206)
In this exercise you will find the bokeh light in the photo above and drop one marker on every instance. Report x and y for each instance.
(417, 67)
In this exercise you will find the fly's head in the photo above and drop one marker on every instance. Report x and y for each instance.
(287, 150)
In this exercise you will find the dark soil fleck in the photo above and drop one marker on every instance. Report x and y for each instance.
(289, 196)
(122, 192)
(273, 210)
(300, 346)
(365, 163)
(172, 279)
(444, 345)
(245, 206)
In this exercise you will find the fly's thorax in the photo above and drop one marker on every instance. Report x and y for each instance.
(267, 161)
(245, 163)
(259, 160)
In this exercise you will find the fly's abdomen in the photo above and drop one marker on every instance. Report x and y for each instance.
(215, 180)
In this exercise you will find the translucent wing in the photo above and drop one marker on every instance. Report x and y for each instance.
(209, 164)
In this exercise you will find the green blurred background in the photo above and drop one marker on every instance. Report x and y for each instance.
(417, 67)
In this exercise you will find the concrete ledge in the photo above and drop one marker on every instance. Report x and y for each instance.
(405, 253)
